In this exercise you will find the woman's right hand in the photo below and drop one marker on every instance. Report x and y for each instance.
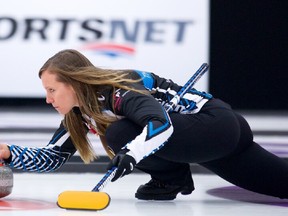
(4, 151)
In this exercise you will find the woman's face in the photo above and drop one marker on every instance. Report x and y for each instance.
(60, 95)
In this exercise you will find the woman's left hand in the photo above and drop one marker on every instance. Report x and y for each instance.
(124, 162)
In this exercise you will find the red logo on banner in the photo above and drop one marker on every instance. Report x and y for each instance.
(109, 49)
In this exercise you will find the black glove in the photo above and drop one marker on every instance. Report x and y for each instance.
(125, 164)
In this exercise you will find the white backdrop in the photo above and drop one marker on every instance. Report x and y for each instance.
(170, 38)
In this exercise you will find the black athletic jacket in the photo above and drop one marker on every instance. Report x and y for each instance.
(145, 110)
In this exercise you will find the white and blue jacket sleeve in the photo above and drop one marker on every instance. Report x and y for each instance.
(145, 111)
(45, 159)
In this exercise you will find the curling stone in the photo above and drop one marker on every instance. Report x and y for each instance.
(6, 180)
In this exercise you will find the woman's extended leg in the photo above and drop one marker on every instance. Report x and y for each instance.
(252, 167)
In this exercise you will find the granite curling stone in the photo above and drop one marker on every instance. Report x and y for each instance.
(6, 180)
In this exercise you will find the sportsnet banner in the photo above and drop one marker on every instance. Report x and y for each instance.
(170, 38)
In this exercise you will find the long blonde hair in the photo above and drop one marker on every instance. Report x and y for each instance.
(73, 68)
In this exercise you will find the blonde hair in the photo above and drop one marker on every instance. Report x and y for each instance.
(73, 68)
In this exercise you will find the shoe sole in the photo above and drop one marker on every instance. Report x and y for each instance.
(155, 196)
(170, 196)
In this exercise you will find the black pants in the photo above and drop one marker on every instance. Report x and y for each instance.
(216, 138)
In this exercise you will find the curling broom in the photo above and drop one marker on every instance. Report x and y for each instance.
(97, 200)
